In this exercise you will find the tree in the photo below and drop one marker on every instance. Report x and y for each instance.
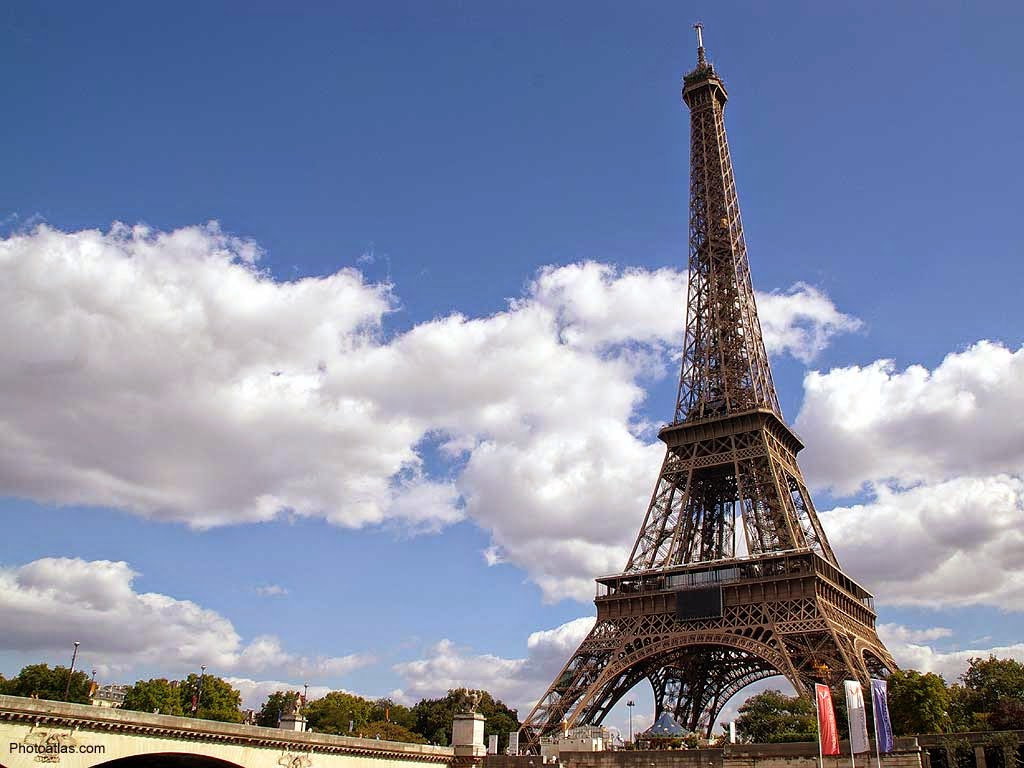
(217, 701)
(500, 719)
(994, 690)
(1007, 715)
(334, 712)
(771, 716)
(434, 720)
(918, 703)
(154, 695)
(961, 710)
(39, 681)
(434, 717)
(390, 731)
(274, 707)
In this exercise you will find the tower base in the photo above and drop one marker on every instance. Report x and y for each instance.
(703, 632)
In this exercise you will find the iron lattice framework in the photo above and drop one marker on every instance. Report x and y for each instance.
(692, 613)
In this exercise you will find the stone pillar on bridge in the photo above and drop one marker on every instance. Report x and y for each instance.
(292, 721)
(468, 739)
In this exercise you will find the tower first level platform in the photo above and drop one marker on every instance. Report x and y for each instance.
(775, 606)
(701, 632)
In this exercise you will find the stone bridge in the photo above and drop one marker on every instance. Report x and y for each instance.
(35, 732)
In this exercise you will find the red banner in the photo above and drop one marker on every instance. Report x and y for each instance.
(828, 735)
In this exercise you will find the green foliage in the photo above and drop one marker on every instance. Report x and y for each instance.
(333, 712)
(391, 731)
(962, 716)
(1007, 715)
(217, 701)
(992, 696)
(39, 681)
(154, 695)
(434, 720)
(771, 717)
(434, 717)
(918, 703)
(274, 707)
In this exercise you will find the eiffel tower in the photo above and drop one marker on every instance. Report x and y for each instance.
(705, 606)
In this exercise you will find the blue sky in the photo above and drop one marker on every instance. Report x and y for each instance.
(353, 416)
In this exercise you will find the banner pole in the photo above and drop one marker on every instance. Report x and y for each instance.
(874, 718)
(849, 726)
(817, 723)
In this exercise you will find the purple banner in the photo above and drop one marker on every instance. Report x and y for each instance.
(880, 704)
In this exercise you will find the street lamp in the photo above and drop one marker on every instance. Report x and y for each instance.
(630, 704)
(74, 655)
(195, 701)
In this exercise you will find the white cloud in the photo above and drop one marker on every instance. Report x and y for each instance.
(801, 321)
(598, 306)
(517, 682)
(954, 543)
(909, 648)
(45, 602)
(940, 453)
(874, 423)
(272, 590)
(164, 374)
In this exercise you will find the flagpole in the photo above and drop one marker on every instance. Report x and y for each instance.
(874, 718)
(849, 727)
(817, 724)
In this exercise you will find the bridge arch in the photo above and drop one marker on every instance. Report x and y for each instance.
(167, 760)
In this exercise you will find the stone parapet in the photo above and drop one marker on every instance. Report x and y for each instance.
(907, 754)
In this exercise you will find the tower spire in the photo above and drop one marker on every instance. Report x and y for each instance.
(700, 43)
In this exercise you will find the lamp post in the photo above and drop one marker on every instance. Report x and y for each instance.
(305, 692)
(630, 704)
(199, 693)
(74, 655)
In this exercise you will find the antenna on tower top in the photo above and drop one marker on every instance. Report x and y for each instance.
(700, 42)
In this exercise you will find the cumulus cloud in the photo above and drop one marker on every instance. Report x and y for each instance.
(909, 648)
(162, 373)
(271, 590)
(939, 454)
(517, 682)
(44, 602)
(801, 321)
(874, 423)
(597, 305)
(165, 374)
(953, 543)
